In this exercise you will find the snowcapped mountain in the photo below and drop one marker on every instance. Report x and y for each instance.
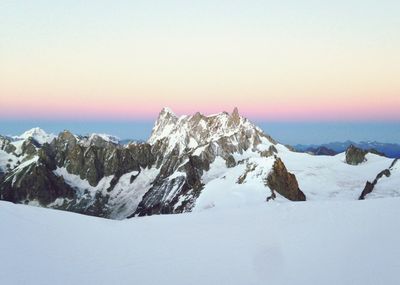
(98, 139)
(39, 135)
(189, 163)
(189, 132)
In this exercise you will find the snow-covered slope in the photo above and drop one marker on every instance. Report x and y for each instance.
(291, 243)
(98, 139)
(238, 186)
(37, 134)
(320, 178)
(330, 177)
(387, 186)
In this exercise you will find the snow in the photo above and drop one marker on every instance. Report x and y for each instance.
(264, 145)
(222, 189)
(329, 177)
(38, 135)
(292, 243)
(168, 110)
(26, 163)
(21, 166)
(192, 143)
(105, 137)
(199, 150)
(18, 146)
(197, 130)
(7, 159)
(387, 186)
(321, 178)
(126, 196)
(83, 185)
(176, 174)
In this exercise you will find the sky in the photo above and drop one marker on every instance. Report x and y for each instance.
(308, 62)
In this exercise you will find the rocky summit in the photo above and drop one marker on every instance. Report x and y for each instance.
(189, 163)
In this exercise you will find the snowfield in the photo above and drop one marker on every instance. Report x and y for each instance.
(329, 177)
(315, 242)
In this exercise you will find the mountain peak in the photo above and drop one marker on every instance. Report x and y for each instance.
(102, 139)
(189, 132)
(38, 135)
(33, 132)
(235, 118)
(166, 111)
(235, 112)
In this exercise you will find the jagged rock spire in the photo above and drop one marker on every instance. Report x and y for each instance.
(166, 119)
(167, 110)
(235, 112)
(235, 117)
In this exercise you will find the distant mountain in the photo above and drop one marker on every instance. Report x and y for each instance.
(321, 150)
(37, 134)
(388, 149)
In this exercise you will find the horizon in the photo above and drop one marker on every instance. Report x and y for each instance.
(287, 132)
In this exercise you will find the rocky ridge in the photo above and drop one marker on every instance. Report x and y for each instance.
(370, 186)
(95, 175)
(175, 171)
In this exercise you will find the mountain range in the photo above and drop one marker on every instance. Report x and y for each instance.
(189, 163)
(391, 150)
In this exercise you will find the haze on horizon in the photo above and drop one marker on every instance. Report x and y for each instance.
(286, 60)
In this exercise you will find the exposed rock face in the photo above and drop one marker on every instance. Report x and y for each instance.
(249, 168)
(94, 161)
(230, 161)
(269, 152)
(35, 182)
(355, 156)
(95, 175)
(284, 182)
(369, 186)
(90, 160)
(5, 144)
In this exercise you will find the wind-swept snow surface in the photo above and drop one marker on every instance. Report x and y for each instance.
(338, 242)
(330, 177)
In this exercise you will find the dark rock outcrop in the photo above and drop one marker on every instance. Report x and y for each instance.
(177, 194)
(284, 182)
(36, 182)
(369, 186)
(100, 158)
(355, 156)
(269, 152)
(5, 144)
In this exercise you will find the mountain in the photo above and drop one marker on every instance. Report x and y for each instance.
(388, 149)
(320, 150)
(37, 134)
(189, 163)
